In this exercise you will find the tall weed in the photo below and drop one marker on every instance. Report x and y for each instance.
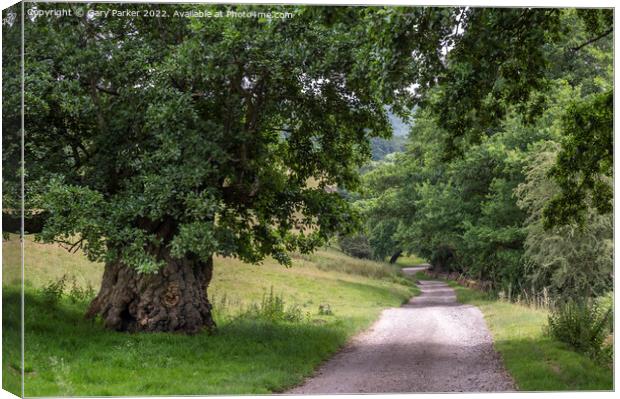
(272, 308)
(67, 286)
(584, 325)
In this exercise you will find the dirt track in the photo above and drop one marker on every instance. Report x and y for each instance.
(431, 344)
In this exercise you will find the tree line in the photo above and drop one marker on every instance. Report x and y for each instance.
(507, 173)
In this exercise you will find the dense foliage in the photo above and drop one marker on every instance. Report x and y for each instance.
(573, 261)
(199, 137)
(356, 245)
(380, 147)
(507, 173)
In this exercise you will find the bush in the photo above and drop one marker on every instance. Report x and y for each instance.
(357, 246)
(606, 302)
(325, 310)
(584, 325)
(79, 294)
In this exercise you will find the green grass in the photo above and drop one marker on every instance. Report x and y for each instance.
(68, 355)
(331, 259)
(409, 261)
(536, 361)
(45, 263)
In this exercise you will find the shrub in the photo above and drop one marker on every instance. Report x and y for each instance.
(272, 308)
(606, 302)
(357, 246)
(79, 294)
(582, 324)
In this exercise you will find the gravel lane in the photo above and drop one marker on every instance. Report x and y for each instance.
(431, 344)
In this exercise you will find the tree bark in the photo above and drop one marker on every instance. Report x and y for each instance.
(395, 257)
(172, 300)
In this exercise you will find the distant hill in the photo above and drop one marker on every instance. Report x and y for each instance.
(382, 147)
(399, 126)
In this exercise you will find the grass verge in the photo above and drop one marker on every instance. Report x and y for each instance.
(68, 355)
(536, 361)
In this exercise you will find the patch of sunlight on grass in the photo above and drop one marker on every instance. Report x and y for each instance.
(410, 261)
(46, 262)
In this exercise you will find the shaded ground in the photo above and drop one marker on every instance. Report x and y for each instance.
(431, 344)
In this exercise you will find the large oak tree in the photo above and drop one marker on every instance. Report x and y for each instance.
(155, 144)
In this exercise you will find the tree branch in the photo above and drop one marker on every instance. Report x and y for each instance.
(71, 247)
(599, 37)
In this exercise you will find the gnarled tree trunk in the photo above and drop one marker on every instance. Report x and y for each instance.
(172, 300)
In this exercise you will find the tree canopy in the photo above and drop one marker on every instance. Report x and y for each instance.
(507, 173)
(199, 136)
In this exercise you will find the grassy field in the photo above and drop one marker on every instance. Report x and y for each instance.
(68, 355)
(409, 261)
(535, 361)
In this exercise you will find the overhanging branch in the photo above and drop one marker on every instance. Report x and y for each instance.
(594, 39)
